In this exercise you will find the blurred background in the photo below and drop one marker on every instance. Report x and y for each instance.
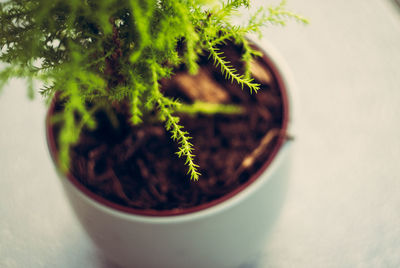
(343, 205)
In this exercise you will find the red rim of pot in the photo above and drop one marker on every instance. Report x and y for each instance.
(175, 212)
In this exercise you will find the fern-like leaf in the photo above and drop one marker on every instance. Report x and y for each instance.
(229, 71)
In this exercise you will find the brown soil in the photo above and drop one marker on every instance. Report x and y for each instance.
(136, 166)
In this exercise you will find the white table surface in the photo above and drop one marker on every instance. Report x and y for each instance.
(343, 206)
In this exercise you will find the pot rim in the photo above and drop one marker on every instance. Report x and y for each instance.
(278, 67)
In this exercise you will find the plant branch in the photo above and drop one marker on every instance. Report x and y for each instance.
(229, 71)
(165, 107)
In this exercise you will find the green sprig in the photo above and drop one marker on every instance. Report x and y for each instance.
(229, 71)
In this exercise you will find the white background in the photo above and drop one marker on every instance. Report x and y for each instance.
(343, 206)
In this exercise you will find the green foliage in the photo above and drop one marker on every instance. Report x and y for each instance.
(200, 107)
(107, 51)
(229, 71)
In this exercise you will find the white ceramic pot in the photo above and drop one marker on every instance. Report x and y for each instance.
(230, 232)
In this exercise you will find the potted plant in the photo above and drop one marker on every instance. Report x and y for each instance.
(119, 76)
